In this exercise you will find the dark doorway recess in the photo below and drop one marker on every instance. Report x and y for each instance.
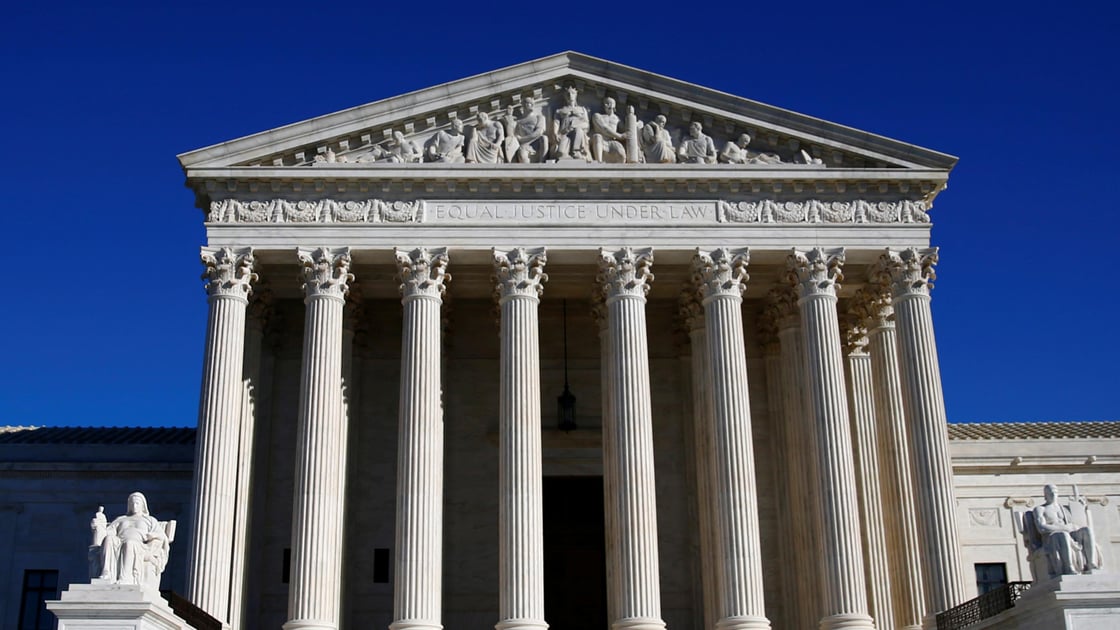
(575, 564)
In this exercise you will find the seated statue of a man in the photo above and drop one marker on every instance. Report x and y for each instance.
(134, 547)
(1070, 545)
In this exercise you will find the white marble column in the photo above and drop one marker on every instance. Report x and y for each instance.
(419, 543)
(910, 273)
(610, 470)
(315, 588)
(626, 277)
(692, 314)
(229, 272)
(899, 511)
(259, 311)
(861, 408)
(768, 339)
(722, 277)
(520, 277)
(801, 451)
(816, 272)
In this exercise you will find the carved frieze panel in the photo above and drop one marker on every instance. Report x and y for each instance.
(984, 517)
(583, 212)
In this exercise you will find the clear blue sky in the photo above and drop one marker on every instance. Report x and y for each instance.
(103, 313)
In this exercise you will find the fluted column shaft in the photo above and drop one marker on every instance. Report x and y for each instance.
(803, 506)
(780, 463)
(861, 402)
(896, 480)
(229, 273)
(722, 275)
(520, 275)
(260, 309)
(419, 540)
(692, 312)
(816, 272)
(610, 469)
(626, 277)
(315, 591)
(910, 275)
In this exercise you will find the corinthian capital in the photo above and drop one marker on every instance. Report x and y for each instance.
(853, 335)
(325, 271)
(519, 272)
(689, 309)
(816, 271)
(262, 306)
(871, 305)
(909, 271)
(423, 272)
(229, 271)
(626, 272)
(723, 273)
(782, 300)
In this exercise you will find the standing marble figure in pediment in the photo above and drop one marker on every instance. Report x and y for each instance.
(485, 146)
(570, 126)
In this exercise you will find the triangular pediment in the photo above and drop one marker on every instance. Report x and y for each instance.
(562, 99)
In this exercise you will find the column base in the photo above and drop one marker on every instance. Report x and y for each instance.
(638, 623)
(743, 622)
(847, 621)
(309, 624)
(521, 624)
(413, 624)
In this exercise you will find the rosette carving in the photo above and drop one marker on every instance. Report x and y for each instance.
(316, 211)
(229, 271)
(722, 273)
(519, 272)
(626, 272)
(821, 211)
(908, 271)
(816, 271)
(325, 271)
(423, 272)
(401, 211)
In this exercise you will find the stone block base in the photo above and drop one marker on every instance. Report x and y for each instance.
(103, 606)
(1068, 602)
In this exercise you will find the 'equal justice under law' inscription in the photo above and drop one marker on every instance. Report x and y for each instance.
(571, 212)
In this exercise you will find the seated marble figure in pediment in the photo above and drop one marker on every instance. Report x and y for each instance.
(567, 125)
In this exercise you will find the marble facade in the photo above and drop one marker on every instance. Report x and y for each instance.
(757, 222)
(744, 295)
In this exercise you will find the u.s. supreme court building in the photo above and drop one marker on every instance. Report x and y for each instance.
(575, 344)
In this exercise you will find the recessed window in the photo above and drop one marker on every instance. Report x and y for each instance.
(286, 567)
(38, 587)
(990, 576)
(381, 566)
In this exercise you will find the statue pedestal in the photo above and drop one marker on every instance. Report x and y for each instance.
(101, 605)
(1067, 602)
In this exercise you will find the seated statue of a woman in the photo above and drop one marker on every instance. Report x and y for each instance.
(134, 547)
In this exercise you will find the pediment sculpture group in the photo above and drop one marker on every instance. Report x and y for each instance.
(572, 133)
